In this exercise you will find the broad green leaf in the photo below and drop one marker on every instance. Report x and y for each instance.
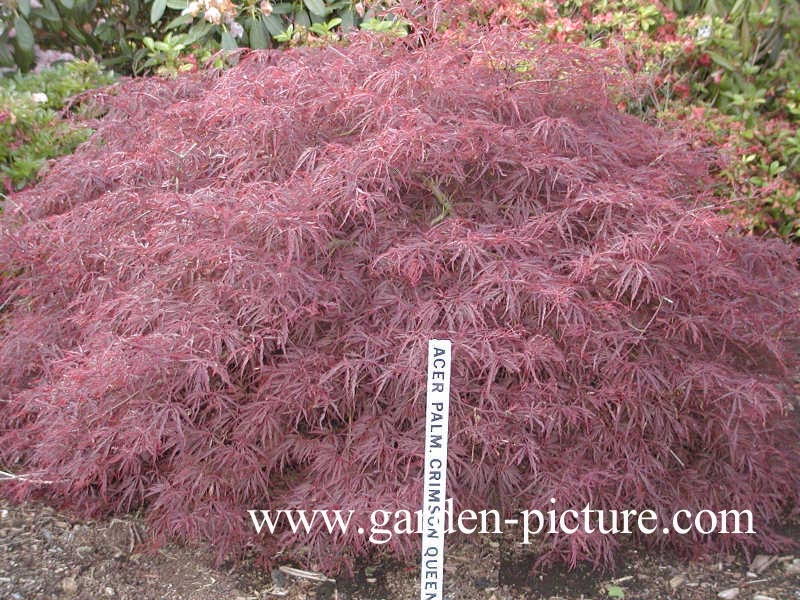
(228, 43)
(24, 35)
(316, 7)
(49, 12)
(282, 8)
(67, 4)
(614, 591)
(178, 21)
(177, 4)
(337, 5)
(133, 11)
(157, 10)
(348, 19)
(258, 36)
(24, 7)
(273, 24)
(198, 31)
(301, 18)
(24, 59)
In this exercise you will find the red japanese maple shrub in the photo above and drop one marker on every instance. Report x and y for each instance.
(222, 302)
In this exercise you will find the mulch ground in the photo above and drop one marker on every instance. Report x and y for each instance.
(45, 554)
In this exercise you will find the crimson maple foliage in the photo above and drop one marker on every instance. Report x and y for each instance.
(222, 301)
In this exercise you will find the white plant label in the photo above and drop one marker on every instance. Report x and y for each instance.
(431, 585)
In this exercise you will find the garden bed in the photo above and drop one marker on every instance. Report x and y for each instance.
(47, 554)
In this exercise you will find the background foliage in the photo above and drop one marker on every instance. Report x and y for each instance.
(32, 128)
(170, 35)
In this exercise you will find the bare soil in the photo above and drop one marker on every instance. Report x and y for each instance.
(45, 554)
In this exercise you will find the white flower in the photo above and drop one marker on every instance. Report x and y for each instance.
(193, 9)
(704, 32)
(266, 8)
(212, 15)
(39, 97)
(236, 30)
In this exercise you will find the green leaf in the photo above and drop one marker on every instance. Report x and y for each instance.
(228, 43)
(316, 7)
(722, 62)
(178, 21)
(338, 5)
(198, 31)
(106, 33)
(285, 36)
(157, 10)
(273, 24)
(614, 591)
(133, 11)
(124, 48)
(24, 59)
(283, 8)
(75, 33)
(738, 7)
(24, 35)
(25, 7)
(177, 4)
(745, 38)
(258, 35)
(49, 12)
(348, 19)
(67, 4)
(6, 58)
(301, 18)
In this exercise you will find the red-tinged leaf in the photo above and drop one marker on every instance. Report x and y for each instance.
(223, 301)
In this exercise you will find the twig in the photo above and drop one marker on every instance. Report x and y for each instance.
(5, 476)
(313, 576)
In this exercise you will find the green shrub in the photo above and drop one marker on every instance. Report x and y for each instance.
(31, 130)
(108, 30)
(167, 36)
(204, 26)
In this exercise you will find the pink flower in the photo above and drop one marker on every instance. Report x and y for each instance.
(212, 15)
